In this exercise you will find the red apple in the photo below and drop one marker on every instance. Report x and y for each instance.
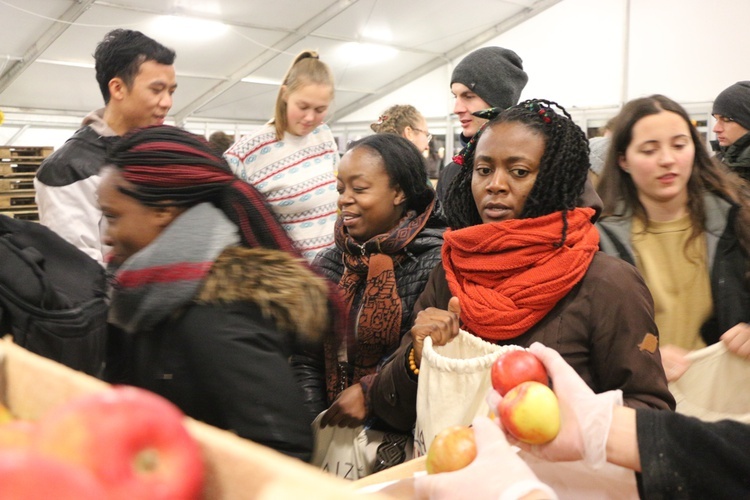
(530, 412)
(133, 441)
(28, 475)
(453, 448)
(514, 367)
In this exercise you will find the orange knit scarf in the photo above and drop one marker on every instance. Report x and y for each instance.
(508, 275)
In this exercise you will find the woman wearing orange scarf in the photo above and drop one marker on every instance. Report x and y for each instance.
(521, 264)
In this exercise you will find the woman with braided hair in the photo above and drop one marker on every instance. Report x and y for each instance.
(521, 264)
(210, 296)
(404, 120)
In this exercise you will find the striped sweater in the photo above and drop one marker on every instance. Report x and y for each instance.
(297, 177)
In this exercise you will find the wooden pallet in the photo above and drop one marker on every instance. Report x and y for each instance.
(17, 200)
(15, 184)
(31, 215)
(7, 168)
(25, 153)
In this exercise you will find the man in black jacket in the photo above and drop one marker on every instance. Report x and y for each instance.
(488, 77)
(732, 113)
(137, 78)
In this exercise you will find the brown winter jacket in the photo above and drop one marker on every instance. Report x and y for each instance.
(604, 328)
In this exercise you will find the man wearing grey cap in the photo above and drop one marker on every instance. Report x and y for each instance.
(488, 77)
(732, 113)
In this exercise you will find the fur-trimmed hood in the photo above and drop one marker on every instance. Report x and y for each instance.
(283, 287)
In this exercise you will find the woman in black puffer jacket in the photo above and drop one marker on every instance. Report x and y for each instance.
(388, 239)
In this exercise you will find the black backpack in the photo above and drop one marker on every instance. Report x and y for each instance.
(52, 296)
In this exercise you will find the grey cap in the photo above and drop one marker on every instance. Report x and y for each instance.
(734, 103)
(493, 73)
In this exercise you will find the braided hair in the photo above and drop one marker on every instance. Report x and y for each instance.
(563, 168)
(169, 166)
(396, 118)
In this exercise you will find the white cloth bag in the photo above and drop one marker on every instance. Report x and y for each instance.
(352, 453)
(453, 384)
(716, 386)
(340, 450)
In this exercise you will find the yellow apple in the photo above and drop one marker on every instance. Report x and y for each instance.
(453, 448)
(5, 414)
(16, 434)
(530, 412)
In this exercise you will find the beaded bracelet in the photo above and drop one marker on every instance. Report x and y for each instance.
(413, 363)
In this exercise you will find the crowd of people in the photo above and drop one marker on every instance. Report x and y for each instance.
(261, 281)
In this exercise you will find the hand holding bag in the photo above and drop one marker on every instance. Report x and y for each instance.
(716, 386)
(353, 453)
(453, 382)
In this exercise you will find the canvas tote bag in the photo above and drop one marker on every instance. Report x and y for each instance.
(453, 383)
(716, 386)
(354, 453)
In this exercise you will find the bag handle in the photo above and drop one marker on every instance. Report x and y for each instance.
(486, 354)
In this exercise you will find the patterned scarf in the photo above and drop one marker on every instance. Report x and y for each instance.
(379, 312)
(164, 276)
(508, 275)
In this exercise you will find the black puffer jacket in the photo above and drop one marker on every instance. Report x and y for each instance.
(737, 156)
(423, 254)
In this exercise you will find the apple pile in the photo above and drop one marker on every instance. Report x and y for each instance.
(122, 443)
(452, 449)
(529, 410)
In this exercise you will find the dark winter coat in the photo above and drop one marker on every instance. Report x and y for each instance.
(683, 457)
(422, 255)
(604, 328)
(224, 360)
(737, 156)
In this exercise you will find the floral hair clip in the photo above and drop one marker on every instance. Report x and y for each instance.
(460, 158)
(488, 114)
(382, 118)
(545, 113)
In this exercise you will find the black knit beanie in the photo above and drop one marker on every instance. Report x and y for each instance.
(734, 103)
(493, 73)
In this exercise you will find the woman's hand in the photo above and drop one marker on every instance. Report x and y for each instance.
(439, 324)
(674, 361)
(348, 410)
(737, 339)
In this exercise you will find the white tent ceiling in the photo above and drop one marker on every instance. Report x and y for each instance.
(48, 67)
(589, 55)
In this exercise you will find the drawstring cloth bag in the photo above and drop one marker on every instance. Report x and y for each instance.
(716, 386)
(453, 384)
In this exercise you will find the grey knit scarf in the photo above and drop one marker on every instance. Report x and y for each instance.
(166, 275)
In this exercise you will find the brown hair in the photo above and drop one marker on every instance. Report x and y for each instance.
(306, 69)
(396, 118)
(620, 195)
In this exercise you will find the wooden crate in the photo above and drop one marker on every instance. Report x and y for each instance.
(28, 214)
(21, 153)
(17, 183)
(236, 468)
(8, 168)
(17, 200)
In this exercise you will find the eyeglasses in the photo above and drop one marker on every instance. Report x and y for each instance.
(426, 133)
